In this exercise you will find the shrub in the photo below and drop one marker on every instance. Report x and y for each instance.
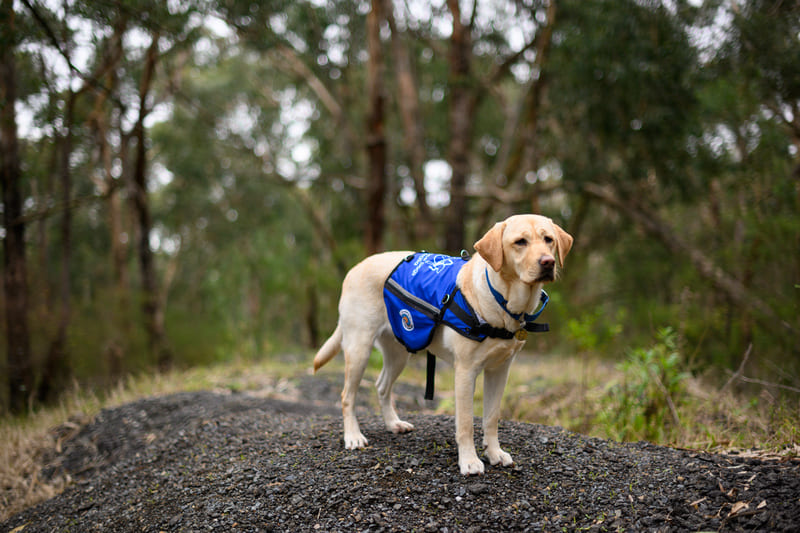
(644, 404)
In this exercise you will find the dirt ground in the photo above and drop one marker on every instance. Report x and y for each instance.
(210, 461)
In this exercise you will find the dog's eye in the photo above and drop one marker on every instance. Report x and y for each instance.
(548, 239)
(521, 242)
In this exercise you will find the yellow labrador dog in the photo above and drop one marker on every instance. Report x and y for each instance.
(502, 283)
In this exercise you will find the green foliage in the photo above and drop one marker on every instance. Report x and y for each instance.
(594, 329)
(630, 98)
(644, 404)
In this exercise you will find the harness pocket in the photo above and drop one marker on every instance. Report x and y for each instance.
(413, 320)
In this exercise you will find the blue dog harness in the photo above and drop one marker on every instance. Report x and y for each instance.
(421, 293)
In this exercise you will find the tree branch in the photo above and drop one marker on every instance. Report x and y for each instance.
(765, 383)
(651, 223)
(316, 85)
(740, 369)
(90, 80)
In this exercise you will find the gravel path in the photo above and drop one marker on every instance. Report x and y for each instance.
(234, 462)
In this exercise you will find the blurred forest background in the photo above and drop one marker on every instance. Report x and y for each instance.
(187, 182)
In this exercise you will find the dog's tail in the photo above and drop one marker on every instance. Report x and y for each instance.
(329, 350)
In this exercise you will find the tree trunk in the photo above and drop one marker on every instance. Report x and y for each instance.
(100, 120)
(19, 366)
(55, 373)
(413, 125)
(461, 119)
(312, 310)
(523, 159)
(376, 138)
(153, 314)
(115, 355)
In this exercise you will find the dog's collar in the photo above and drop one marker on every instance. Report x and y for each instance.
(523, 317)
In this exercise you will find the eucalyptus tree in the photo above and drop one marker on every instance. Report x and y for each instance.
(18, 365)
(669, 110)
(87, 89)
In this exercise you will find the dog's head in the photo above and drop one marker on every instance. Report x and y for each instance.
(525, 247)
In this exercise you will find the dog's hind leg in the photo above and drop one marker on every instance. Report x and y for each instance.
(357, 348)
(395, 358)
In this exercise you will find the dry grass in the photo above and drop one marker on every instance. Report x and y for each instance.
(25, 440)
(566, 391)
(572, 392)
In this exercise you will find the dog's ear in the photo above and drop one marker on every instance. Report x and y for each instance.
(490, 246)
(563, 244)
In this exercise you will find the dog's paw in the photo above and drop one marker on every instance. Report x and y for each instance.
(499, 457)
(471, 467)
(355, 442)
(399, 426)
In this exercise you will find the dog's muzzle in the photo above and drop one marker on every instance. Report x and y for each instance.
(549, 275)
(547, 268)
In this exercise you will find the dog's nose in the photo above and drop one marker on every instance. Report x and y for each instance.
(547, 261)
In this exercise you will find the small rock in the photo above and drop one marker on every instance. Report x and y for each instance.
(477, 488)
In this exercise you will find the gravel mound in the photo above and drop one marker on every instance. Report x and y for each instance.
(233, 462)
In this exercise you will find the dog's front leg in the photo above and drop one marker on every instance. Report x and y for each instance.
(494, 382)
(468, 460)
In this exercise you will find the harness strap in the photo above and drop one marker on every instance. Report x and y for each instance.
(535, 327)
(431, 372)
(477, 329)
(502, 302)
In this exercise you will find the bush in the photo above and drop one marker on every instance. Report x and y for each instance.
(644, 405)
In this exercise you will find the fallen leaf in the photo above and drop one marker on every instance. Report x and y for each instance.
(698, 502)
(762, 504)
(738, 507)
(729, 493)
